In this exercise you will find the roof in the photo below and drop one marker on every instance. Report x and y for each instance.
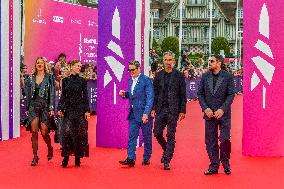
(228, 9)
(166, 9)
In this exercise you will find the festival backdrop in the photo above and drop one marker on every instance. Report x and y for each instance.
(56, 27)
(124, 36)
(263, 131)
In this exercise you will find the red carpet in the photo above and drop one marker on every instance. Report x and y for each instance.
(102, 170)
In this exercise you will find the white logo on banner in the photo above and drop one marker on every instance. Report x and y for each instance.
(115, 65)
(87, 48)
(92, 23)
(192, 86)
(75, 21)
(39, 18)
(58, 19)
(264, 66)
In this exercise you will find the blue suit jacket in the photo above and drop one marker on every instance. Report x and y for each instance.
(143, 97)
(221, 97)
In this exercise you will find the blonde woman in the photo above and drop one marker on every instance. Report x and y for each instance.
(40, 106)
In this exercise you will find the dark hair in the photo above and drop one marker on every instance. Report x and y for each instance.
(221, 59)
(218, 57)
(62, 55)
(135, 63)
(23, 66)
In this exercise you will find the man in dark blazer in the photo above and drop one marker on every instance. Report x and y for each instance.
(141, 96)
(169, 105)
(216, 94)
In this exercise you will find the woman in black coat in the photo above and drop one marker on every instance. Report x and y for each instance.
(74, 107)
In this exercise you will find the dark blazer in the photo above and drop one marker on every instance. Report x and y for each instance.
(46, 91)
(143, 96)
(176, 92)
(220, 97)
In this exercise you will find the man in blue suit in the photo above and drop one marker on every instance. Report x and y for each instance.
(216, 94)
(141, 97)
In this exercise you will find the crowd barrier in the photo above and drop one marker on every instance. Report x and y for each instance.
(192, 85)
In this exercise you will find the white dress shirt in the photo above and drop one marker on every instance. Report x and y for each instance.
(134, 83)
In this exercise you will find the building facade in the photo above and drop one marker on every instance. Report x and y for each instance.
(196, 20)
(90, 3)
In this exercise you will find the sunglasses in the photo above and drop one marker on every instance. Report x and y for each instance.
(131, 70)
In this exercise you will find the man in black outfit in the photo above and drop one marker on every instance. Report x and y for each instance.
(216, 94)
(169, 105)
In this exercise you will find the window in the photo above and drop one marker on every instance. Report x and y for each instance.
(195, 2)
(185, 33)
(157, 34)
(183, 13)
(240, 13)
(155, 13)
(177, 31)
(93, 1)
(206, 32)
(213, 13)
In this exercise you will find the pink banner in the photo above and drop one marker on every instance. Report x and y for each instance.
(263, 132)
(55, 27)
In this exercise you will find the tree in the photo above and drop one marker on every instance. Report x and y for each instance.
(220, 43)
(171, 44)
(155, 44)
(86, 3)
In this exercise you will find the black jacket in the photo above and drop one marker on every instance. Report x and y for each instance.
(46, 91)
(74, 99)
(221, 97)
(176, 92)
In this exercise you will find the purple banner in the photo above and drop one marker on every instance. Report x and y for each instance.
(192, 85)
(116, 49)
(92, 93)
(11, 69)
(238, 84)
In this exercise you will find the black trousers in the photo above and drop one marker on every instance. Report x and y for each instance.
(74, 135)
(211, 141)
(165, 119)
